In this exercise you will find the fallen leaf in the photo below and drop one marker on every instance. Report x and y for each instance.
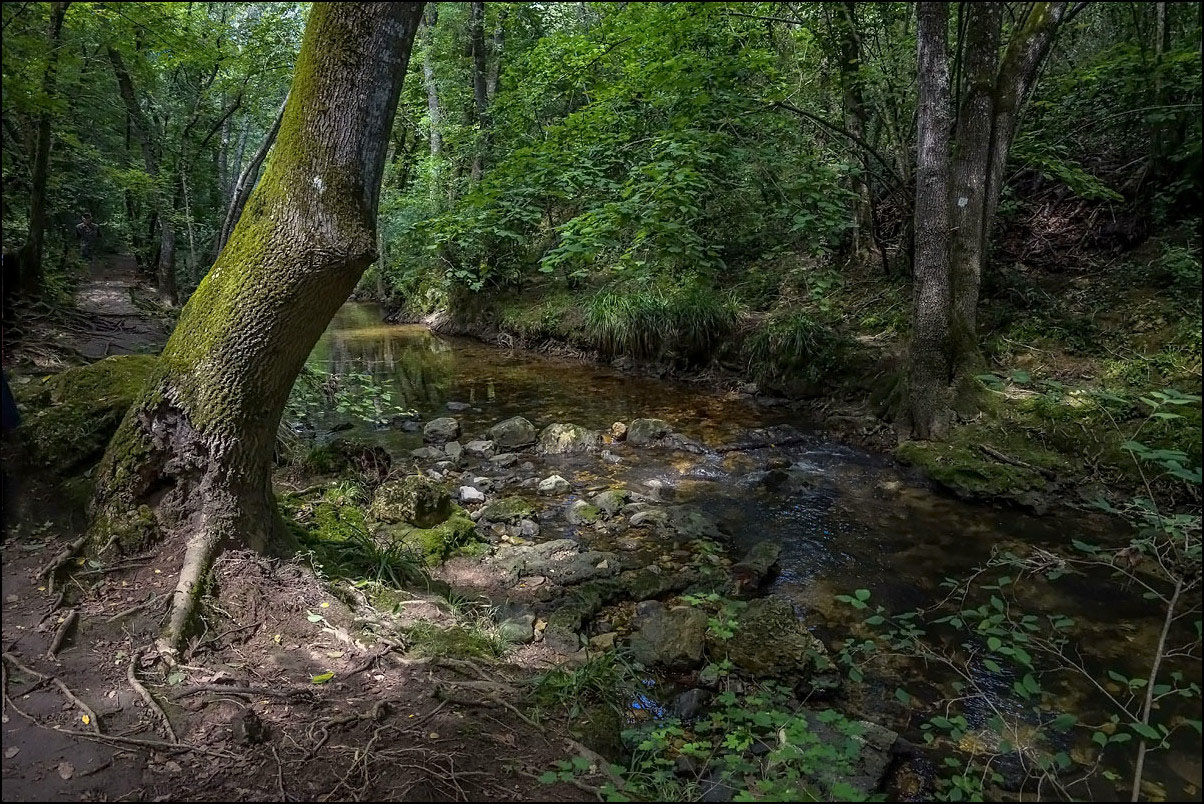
(66, 770)
(325, 604)
(322, 678)
(85, 719)
(434, 735)
(276, 639)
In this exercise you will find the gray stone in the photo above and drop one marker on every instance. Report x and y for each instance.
(564, 439)
(643, 432)
(453, 449)
(470, 495)
(669, 637)
(603, 641)
(751, 571)
(441, 430)
(652, 517)
(504, 460)
(456, 407)
(618, 431)
(610, 457)
(610, 502)
(520, 629)
(691, 703)
(507, 509)
(529, 528)
(513, 433)
(770, 641)
(427, 453)
(582, 513)
(553, 485)
(479, 449)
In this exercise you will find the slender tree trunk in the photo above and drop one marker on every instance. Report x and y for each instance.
(193, 454)
(968, 191)
(862, 240)
(236, 169)
(930, 368)
(498, 47)
(432, 99)
(165, 273)
(30, 257)
(246, 180)
(476, 35)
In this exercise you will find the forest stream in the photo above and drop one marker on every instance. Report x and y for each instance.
(845, 519)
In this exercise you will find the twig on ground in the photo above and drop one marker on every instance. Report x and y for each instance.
(92, 719)
(137, 607)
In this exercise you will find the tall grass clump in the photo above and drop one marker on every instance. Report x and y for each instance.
(626, 322)
(792, 351)
(700, 319)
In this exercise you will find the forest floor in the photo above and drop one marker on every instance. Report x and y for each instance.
(286, 706)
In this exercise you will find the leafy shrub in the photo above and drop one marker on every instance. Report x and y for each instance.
(792, 350)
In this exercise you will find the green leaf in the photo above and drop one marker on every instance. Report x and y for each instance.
(1063, 722)
(902, 695)
(1146, 731)
(321, 678)
(862, 594)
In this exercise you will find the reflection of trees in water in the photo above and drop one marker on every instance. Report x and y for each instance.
(418, 368)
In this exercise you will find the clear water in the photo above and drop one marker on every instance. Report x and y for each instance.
(847, 520)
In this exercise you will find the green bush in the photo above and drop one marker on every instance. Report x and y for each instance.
(793, 350)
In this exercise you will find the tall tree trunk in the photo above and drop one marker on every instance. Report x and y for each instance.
(246, 180)
(930, 368)
(165, 273)
(968, 191)
(30, 257)
(236, 168)
(863, 240)
(497, 46)
(193, 454)
(432, 101)
(476, 36)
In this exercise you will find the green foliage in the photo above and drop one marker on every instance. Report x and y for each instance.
(792, 349)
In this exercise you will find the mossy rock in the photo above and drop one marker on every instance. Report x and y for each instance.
(507, 509)
(415, 499)
(348, 456)
(564, 439)
(968, 472)
(79, 409)
(769, 641)
(456, 642)
(436, 544)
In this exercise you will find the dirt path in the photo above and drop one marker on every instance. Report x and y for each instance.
(275, 699)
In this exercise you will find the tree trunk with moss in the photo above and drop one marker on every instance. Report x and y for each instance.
(192, 458)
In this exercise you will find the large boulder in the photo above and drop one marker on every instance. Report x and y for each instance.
(438, 542)
(415, 499)
(672, 638)
(563, 439)
(611, 501)
(770, 641)
(513, 433)
(642, 432)
(441, 430)
(751, 571)
(78, 410)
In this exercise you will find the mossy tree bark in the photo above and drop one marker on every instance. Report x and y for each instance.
(192, 458)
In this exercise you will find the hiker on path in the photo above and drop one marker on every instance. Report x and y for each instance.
(87, 233)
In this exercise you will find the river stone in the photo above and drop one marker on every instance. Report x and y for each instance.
(453, 449)
(618, 431)
(520, 629)
(751, 571)
(553, 485)
(418, 500)
(507, 509)
(563, 439)
(513, 433)
(652, 517)
(470, 495)
(610, 502)
(504, 460)
(427, 453)
(479, 449)
(690, 704)
(528, 528)
(441, 430)
(672, 637)
(769, 641)
(643, 432)
(582, 513)
(690, 524)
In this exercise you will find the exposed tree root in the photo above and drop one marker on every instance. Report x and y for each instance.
(60, 635)
(91, 719)
(199, 554)
(137, 607)
(60, 560)
(145, 695)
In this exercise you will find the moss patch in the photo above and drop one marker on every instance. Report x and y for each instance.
(455, 642)
(438, 543)
(80, 409)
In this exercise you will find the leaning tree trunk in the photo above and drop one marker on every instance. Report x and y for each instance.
(192, 457)
(929, 372)
(30, 256)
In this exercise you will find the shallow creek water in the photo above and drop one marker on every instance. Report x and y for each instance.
(856, 521)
